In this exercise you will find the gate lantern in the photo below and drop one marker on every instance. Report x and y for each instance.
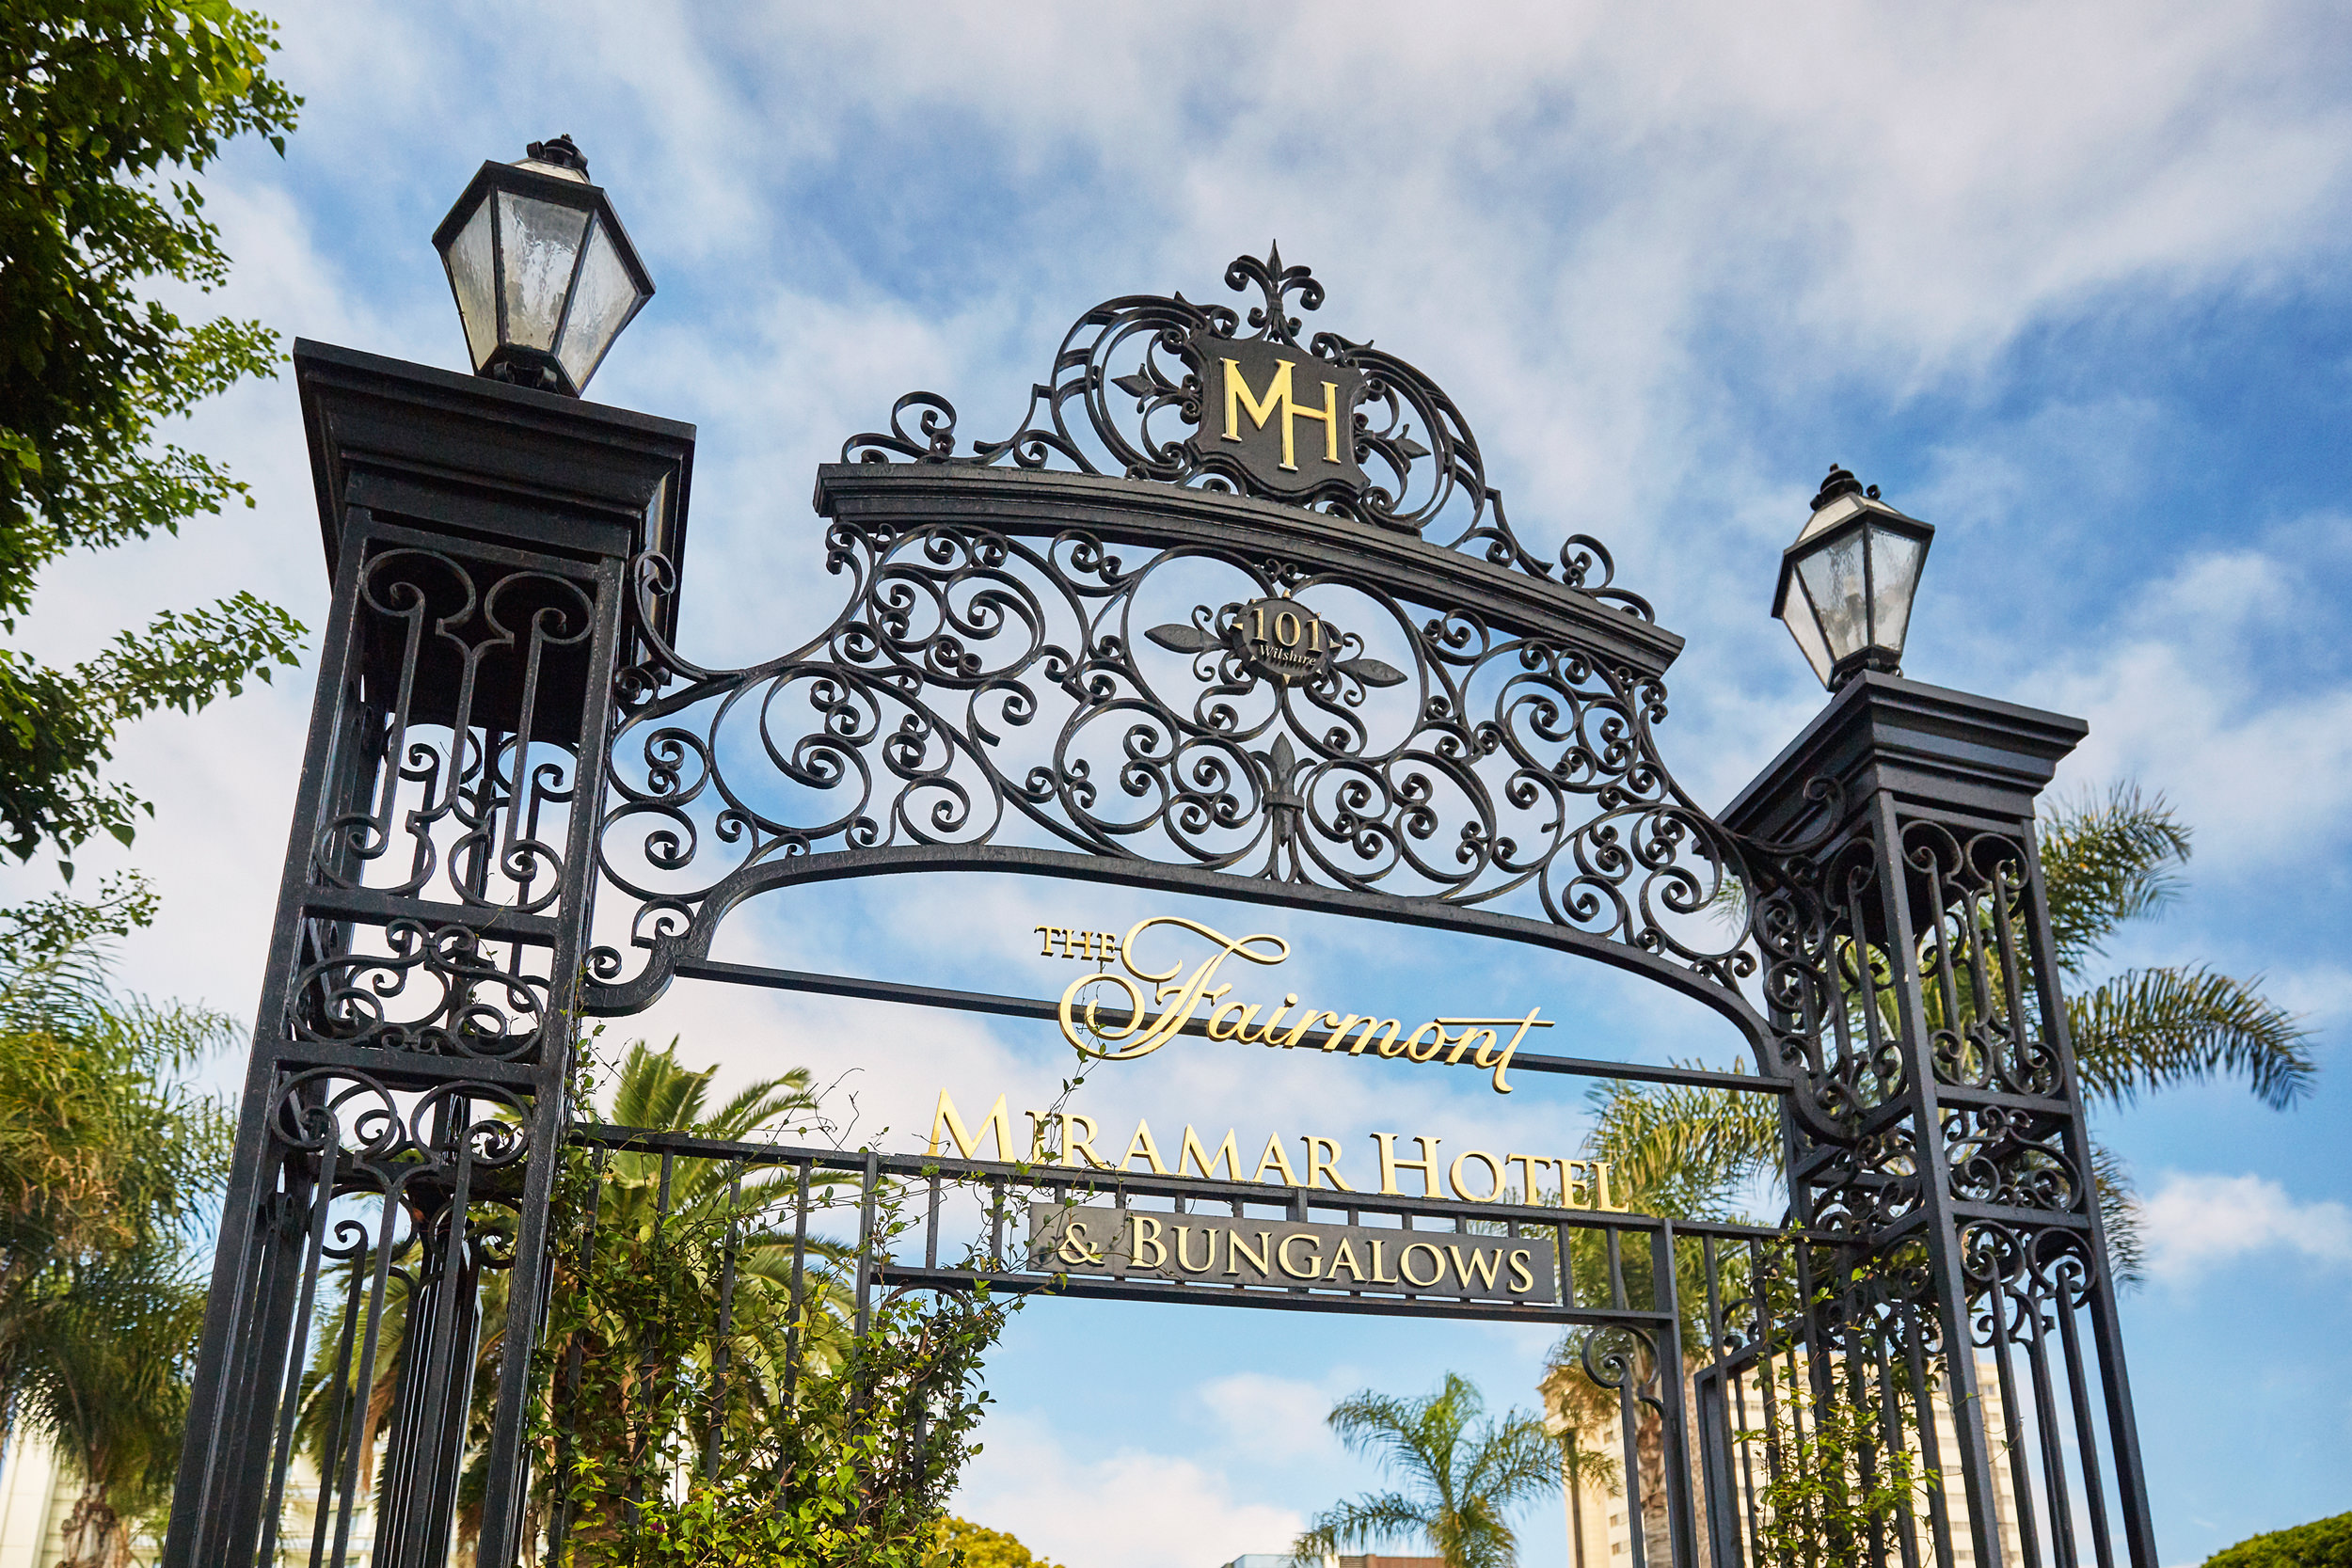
(544, 273)
(1846, 584)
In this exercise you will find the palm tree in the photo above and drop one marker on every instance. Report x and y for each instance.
(109, 1164)
(104, 1357)
(1462, 1476)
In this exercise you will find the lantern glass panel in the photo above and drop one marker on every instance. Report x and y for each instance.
(473, 274)
(1797, 615)
(1893, 577)
(601, 305)
(1833, 578)
(542, 242)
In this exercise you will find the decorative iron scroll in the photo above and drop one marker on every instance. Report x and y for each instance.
(1168, 390)
(980, 690)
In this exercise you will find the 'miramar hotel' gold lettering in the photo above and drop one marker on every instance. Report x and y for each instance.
(1066, 1139)
(1180, 994)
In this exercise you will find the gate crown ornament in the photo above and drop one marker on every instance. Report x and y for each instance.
(1204, 395)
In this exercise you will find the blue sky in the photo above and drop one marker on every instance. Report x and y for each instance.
(2067, 281)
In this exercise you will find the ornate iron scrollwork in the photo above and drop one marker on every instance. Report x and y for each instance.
(981, 689)
(1159, 387)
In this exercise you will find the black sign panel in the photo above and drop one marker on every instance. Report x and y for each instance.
(1279, 415)
(1222, 1249)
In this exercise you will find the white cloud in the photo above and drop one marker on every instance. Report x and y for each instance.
(1129, 1509)
(1270, 1417)
(2198, 1221)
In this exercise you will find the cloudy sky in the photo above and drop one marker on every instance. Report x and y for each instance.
(2069, 281)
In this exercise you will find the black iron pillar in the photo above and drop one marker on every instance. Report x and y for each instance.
(1913, 976)
(382, 1265)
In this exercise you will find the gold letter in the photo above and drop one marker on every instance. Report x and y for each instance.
(1437, 1261)
(1308, 1022)
(1391, 1165)
(1247, 1009)
(1275, 1157)
(1148, 1239)
(1142, 1144)
(1600, 1189)
(1482, 1263)
(1235, 1252)
(1347, 1255)
(1045, 948)
(1079, 1144)
(1531, 1021)
(1526, 1163)
(1330, 414)
(1265, 1035)
(1278, 396)
(1208, 1258)
(1372, 1026)
(1177, 999)
(1322, 1159)
(1572, 1190)
(1522, 1278)
(1415, 1038)
(967, 1143)
(1193, 1150)
(1314, 1259)
(1378, 1244)
(1037, 1134)
(1469, 1032)
(1453, 1174)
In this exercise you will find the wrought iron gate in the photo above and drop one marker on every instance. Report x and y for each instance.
(521, 803)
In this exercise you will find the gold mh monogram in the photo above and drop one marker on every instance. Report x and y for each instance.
(1278, 400)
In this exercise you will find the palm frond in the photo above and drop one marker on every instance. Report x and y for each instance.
(2152, 1028)
(1364, 1521)
(2107, 861)
(1680, 1150)
(2119, 1212)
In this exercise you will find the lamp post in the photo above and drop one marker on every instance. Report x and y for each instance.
(1846, 584)
(404, 1113)
(543, 271)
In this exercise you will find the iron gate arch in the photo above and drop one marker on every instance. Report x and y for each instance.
(521, 804)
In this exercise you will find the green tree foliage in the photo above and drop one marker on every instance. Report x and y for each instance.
(636, 1290)
(107, 104)
(108, 1165)
(1831, 1486)
(961, 1544)
(1462, 1476)
(689, 1426)
(2321, 1543)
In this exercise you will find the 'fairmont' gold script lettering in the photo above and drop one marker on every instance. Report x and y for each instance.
(1180, 994)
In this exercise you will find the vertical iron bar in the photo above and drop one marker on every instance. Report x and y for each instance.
(795, 1329)
(722, 1353)
(866, 1245)
(1675, 1440)
(2086, 1431)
